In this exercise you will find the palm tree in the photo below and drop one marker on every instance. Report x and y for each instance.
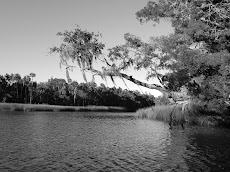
(32, 75)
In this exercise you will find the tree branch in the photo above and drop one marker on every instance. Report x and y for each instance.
(130, 78)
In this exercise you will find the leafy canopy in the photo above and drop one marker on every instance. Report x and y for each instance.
(196, 55)
(205, 57)
(80, 46)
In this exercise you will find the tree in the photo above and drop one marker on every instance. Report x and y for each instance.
(84, 47)
(31, 86)
(205, 57)
(199, 48)
(80, 46)
(26, 82)
(17, 79)
(201, 20)
(3, 88)
(32, 75)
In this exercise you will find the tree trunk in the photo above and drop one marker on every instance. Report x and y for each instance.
(25, 98)
(31, 96)
(17, 91)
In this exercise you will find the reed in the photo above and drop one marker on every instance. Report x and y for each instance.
(172, 114)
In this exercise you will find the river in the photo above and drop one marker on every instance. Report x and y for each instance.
(95, 141)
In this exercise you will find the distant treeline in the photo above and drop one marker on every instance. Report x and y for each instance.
(17, 89)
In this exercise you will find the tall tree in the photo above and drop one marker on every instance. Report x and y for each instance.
(84, 47)
(26, 82)
(31, 86)
(17, 82)
(206, 55)
(80, 46)
(32, 75)
(199, 48)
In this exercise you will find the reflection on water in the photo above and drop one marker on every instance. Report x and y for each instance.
(45, 141)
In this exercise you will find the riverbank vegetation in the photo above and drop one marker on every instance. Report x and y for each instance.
(162, 113)
(57, 108)
(15, 89)
(192, 114)
(196, 56)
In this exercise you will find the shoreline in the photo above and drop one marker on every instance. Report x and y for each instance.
(190, 116)
(199, 120)
(57, 108)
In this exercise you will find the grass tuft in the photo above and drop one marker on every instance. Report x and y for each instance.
(167, 113)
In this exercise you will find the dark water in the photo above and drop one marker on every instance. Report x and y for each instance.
(45, 141)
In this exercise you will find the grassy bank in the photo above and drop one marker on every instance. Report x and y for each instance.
(192, 114)
(55, 108)
(171, 114)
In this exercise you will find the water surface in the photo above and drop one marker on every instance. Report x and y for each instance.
(95, 141)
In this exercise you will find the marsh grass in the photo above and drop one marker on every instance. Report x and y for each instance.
(192, 114)
(167, 113)
(54, 108)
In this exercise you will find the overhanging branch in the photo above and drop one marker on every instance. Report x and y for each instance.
(130, 78)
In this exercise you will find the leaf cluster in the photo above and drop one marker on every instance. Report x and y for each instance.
(201, 61)
(79, 46)
(202, 20)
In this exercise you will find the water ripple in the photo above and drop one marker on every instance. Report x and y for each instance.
(95, 142)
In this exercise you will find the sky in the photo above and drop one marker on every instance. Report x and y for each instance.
(28, 29)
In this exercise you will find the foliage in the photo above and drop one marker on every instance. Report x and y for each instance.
(14, 89)
(196, 55)
(80, 46)
(201, 20)
(203, 27)
(84, 48)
